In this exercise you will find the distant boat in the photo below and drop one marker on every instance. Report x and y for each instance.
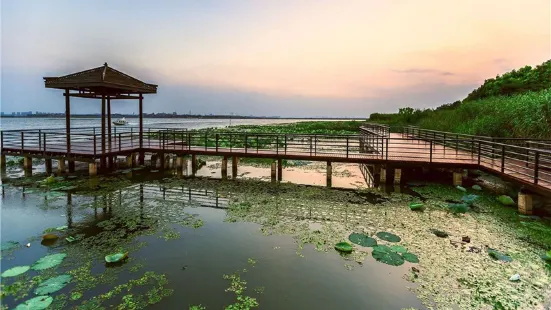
(120, 122)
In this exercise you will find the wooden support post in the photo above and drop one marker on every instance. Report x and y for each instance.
(93, 169)
(193, 164)
(280, 170)
(457, 178)
(162, 159)
(142, 155)
(3, 163)
(273, 174)
(225, 167)
(397, 176)
(111, 159)
(179, 162)
(376, 174)
(48, 166)
(153, 161)
(525, 203)
(68, 121)
(103, 161)
(71, 164)
(234, 161)
(27, 163)
(61, 166)
(329, 174)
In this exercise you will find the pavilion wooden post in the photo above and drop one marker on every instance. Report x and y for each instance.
(109, 131)
(102, 160)
(142, 155)
(68, 129)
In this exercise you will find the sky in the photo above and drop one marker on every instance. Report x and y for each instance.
(286, 57)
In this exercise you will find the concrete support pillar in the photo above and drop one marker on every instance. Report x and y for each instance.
(280, 170)
(234, 161)
(130, 160)
(48, 166)
(225, 167)
(273, 174)
(27, 163)
(457, 178)
(3, 162)
(397, 176)
(93, 169)
(61, 166)
(162, 159)
(71, 165)
(525, 203)
(329, 174)
(193, 164)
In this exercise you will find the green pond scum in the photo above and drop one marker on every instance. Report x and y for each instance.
(367, 225)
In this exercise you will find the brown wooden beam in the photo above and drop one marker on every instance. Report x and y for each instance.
(97, 96)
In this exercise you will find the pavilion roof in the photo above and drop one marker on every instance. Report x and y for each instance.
(102, 79)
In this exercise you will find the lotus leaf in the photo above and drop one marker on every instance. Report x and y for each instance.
(506, 200)
(398, 249)
(477, 187)
(362, 239)
(410, 257)
(53, 285)
(48, 261)
(386, 236)
(37, 303)
(458, 207)
(461, 188)
(9, 245)
(416, 206)
(385, 255)
(62, 227)
(500, 256)
(115, 258)
(470, 198)
(344, 247)
(15, 271)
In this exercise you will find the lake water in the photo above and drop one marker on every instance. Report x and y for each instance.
(157, 226)
(189, 123)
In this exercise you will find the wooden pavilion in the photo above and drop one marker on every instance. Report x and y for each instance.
(103, 83)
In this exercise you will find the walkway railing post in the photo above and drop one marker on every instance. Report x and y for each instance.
(277, 144)
(39, 139)
(44, 144)
(347, 146)
(246, 144)
(387, 148)
(120, 140)
(315, 144)
(257, 144)
(206, 139)
(95, 147)
(430, 160)
(502, 158)
(536, 167)
(285, 144)
(216, 143)
(310, 138)
(189, 141)
(22, 142)
(479, 151)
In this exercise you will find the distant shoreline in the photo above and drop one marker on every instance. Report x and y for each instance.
(185, 116)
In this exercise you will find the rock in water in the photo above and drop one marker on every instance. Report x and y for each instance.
(466, 239)
(439, 233)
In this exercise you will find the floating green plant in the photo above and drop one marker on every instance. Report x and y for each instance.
(48, 261)
(362, 239)
(37, 303)
(384, 254)
(398, 249)
(53, 285)
(410, 257)
(416, 206)
(344, 247)
(499, 256)
(386, 236)
(9, 245)
(115, 258)
(15, 271)
(506, 200)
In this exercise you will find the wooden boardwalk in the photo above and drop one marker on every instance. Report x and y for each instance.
(529, 166)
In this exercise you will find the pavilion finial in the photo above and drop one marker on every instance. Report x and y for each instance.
(105, 64)
(104, 71)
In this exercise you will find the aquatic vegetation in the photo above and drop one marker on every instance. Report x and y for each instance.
(499, 256)
(197, 307)
(50, 237)
(386, 236)
(115, 258)
(15, 271)
(398, 249)
(362, 239)
(48, 261)
(476, 187)
(344, 247)
(384, 254)
(238, 287)
(416, 206)
(9, 245)
(251, 261)
(37, 303)
(410, 257)
(506, 200)
(53, 285)
(461, 188)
